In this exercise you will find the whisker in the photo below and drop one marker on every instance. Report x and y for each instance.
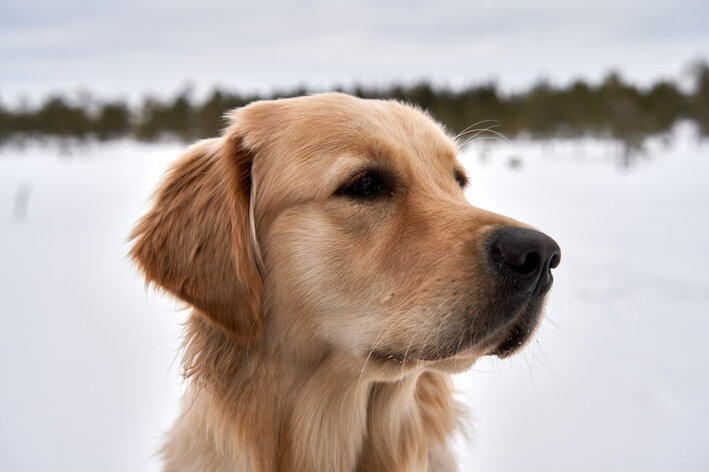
(468, 129)
(406, 354)
(477, 132)
(561, 329)
(371, 351)
(543, 357)
(484, 138)
(486, 130)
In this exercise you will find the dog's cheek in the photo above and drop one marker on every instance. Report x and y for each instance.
(313, 279)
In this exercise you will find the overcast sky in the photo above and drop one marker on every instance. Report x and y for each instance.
(127, 48)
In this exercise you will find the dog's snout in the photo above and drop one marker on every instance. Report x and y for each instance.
(525, 257)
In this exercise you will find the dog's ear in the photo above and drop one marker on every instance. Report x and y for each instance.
(195, 241)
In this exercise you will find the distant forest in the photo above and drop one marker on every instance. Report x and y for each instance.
(613, 108)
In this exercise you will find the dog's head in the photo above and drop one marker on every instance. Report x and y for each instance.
(338, 224)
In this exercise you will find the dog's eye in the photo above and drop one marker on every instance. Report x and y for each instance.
(366, 184)
(461, 179)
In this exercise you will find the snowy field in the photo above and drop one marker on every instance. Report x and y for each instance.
(616, 380)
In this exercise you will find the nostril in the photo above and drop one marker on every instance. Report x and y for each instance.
(524, 258)
(554, 262)
(522, 263)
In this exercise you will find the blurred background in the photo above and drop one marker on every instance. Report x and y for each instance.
(587, 120)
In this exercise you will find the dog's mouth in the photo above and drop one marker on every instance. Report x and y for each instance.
(502, 339)
(516, 336)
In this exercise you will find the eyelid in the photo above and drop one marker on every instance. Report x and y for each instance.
(459, 174)
(356, 176)
(390, 181)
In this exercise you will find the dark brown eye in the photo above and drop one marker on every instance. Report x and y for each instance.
(366, 184)
(461, 179)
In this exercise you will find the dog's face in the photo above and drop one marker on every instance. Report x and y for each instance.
(365, 242)
(367, 239)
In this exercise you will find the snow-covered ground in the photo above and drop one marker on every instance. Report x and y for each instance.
(617, 378)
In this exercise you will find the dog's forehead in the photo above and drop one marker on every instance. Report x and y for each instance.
(313, 140)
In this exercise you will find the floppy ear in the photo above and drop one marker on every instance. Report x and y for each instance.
(195, 241)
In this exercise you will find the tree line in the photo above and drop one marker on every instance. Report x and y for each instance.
(612, 108)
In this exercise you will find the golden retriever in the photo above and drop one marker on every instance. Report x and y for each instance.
(337, 277)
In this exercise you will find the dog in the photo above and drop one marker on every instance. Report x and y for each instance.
(337, 276)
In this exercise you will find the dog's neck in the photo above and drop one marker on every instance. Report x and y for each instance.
(260, 412)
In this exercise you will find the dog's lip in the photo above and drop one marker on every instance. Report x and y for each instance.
(508, 338)
(510, 345)
(517, 334)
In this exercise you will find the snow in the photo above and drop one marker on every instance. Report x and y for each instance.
(616, 378)
(87, 375)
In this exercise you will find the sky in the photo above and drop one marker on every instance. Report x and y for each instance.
(129, 48)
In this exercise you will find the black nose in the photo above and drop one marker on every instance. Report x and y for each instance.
(525, 257)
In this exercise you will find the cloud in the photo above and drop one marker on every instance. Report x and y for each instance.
(130, 46)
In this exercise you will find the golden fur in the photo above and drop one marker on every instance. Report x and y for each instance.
(324, 328)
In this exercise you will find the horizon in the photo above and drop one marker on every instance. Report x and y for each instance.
(81, 94)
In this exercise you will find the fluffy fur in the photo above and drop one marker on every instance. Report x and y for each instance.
(324, 325)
